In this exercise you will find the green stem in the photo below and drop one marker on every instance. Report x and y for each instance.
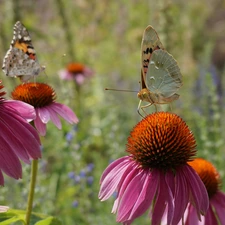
(33, 177)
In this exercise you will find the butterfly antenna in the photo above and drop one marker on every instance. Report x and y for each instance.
(112, 89)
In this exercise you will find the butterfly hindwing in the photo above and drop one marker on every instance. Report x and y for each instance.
(163, 75)
(160, 74)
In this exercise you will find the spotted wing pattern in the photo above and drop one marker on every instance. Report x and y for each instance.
(21, 60)
(150, 43)
(160, 74)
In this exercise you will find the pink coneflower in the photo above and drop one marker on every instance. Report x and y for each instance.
(155, 175)
(215, 215)
(42, 97)
(18, 139)
(77, 72)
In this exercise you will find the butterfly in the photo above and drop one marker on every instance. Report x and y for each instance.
(21, 60)
(160, 74)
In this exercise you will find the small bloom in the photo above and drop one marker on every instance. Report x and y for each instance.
(90, 167)
(18, 139)
(77, 72)
(155, 172)
(75, 204)
(215, 215)
(42, 97)
(90, 180)
(71, 175)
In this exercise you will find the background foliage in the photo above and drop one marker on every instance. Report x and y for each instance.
(106, 36)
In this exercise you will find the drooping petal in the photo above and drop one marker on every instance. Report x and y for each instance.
(113, 164)
(170, 202)
(129, 174)
(210, 218)
(79, 78)
(65, 112)
(146, 196)
(43, 114)
(25, 110)
(130, 196)
(164, 198)
(198, 190)
(54, 118)
(9, 162)
(26, 140)
(192, 217)
(218, 202)
(40, 126)
(111, 181)
(181, 197)
(65, 75)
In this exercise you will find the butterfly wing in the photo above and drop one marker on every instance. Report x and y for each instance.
(16, 63)
(150, 43)
(163, 76)
(21, 60)
(22, 40)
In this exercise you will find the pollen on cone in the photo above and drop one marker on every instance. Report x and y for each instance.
(35, 94)
(161, 140)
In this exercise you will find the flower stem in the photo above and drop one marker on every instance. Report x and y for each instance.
(33, 177)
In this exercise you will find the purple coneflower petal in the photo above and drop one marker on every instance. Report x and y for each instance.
(192, 217)
(8, 158)
(162, 200)
(25, 110)
(65, 75)
(79, 78)
(146, 196)
(25, 148)
(181, 196)
(54, 118)
(40, 126)
(43, 114)
(198, 191)
(111, 181)
(210, 217)
(112, 165)
(218, 202)
(65, 112)
(125, 180)
(130, 196)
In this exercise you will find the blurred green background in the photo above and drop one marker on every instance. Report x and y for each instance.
(106, 36)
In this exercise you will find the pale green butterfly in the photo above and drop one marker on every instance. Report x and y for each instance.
(160, 74)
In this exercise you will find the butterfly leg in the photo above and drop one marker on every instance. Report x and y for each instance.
(145, 106)
(138, 109)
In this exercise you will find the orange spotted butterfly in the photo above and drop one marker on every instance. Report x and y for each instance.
(21, 60)
(160, 75)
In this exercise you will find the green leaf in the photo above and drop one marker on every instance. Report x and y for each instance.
(49, 221)
(12, 216)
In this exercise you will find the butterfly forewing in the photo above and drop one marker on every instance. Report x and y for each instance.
(163, 76)
(150, 43)
(20, 60)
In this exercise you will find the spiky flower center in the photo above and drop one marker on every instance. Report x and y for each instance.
(208, 173)
(75, 68)
(35, 94)
(161, 140)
